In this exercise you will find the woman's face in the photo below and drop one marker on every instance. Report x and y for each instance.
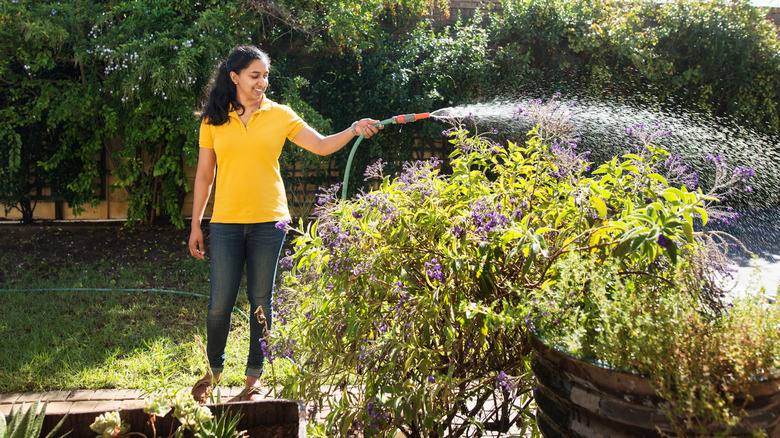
(251, 82)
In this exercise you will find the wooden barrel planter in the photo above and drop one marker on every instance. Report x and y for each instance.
(575, 398)
(263, 418)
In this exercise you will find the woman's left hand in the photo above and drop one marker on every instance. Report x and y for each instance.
(366, 127)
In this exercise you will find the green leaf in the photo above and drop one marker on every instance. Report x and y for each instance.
(702, 213)
(561, 217)
(672, 194)
(510, 235)
(529, 259)
(672, 251)
(688, 229)
(600, 205)
(660, 179)
(638, 241)
(629, 166)
(621, 249)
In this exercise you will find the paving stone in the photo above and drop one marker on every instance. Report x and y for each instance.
(132, 404)
(128, 394)
(85, 406)
(54, 396)
(107, 405)
(104, 394)
(8, 398)
(232, 392)
(23, 405)
(28, 397)
(81, 394)
(58, 407)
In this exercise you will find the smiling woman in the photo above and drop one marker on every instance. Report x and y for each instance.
(242, 134)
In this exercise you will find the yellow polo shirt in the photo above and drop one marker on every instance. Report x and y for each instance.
(249, 187)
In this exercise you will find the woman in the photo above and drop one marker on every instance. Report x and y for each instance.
(241, 136)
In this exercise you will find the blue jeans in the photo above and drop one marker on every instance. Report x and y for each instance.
(233, 246)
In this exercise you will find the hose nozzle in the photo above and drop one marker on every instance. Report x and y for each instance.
(406, 118)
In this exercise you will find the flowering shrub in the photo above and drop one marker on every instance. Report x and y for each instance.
(409, 306)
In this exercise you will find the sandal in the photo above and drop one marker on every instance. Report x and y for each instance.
(202, 389)
(251, 393)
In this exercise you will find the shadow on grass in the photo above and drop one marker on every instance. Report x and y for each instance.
(87, 339)
(105, 337)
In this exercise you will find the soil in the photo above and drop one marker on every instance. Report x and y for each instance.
(59, 243)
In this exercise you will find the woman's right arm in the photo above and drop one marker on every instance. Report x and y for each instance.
(204, 180)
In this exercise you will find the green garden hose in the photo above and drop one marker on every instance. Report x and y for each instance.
(406, 118)
(97, 289)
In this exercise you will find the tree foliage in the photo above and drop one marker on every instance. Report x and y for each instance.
(90, 85)
(112, 82)
(93, 87)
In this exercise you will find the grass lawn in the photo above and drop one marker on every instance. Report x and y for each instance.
(101, 306)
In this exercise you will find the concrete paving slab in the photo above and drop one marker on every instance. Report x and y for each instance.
(8, 398)
(105, 394)
(129, 394)
(58, 406)
(82, 406)
(55, 396)
(80, 394)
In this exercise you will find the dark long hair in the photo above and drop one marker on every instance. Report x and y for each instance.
(223, 91)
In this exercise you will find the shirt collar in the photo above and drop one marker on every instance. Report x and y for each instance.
(265, 105)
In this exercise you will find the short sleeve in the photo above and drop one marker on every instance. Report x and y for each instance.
(295, 124)
(206, 136)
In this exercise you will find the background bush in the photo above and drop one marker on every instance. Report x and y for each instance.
(87, 86)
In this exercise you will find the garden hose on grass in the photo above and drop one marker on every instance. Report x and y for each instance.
(166, 291)
(406, 118)
(97, 289)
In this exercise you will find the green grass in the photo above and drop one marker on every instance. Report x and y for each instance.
(139, 338)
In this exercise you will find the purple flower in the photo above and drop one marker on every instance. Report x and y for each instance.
(664, 242)
(568, 161)
(679, 171)
(266, 350)
(281, 349)
(506, 383)
(283, 224)
(327, 195)
(375, 171)
(286, 262)
(433, 270)
(552, 119)
(376, 411)
(378, 203)
(312, 411)
(458, 232)
(486, 218)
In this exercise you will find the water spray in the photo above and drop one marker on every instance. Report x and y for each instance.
(443, 113)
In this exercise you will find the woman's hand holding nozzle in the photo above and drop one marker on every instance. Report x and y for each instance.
(366, 127)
